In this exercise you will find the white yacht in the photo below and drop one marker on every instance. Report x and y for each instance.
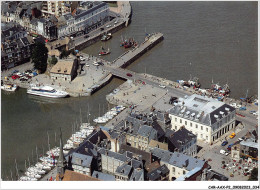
(9, 87)
(46, 91)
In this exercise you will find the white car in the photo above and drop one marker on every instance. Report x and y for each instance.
(116, 22)
(82, 59)
(223, 152)
(256, 113)
(87, 65)
(162, 86)
(108, 26)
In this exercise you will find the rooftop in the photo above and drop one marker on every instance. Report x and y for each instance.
(81, 159)
(181, 160)
(63, 67)
(201, 109)
(158, 172)
(75, 176)
(103, 176)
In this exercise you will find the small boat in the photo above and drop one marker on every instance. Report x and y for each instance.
(104, 52)
(9, 87)
(106, 37)
(46, 91)
(128, 43)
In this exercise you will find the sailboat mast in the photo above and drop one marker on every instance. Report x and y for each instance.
(16, 169)
(11, 175)
(48, 141)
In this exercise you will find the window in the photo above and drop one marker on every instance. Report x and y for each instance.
(185, 122)
(184, 172)
(207, 137)
(180, 121)
(207, 129)
(173, 170)
(175, 119)
(175, 127)
(201, 127)
(196, 126)
(201, 135)
(191, 124)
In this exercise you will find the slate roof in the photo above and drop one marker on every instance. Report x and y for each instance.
(158, 128)
(157, 173)
(103, 176)
(249, 144)
(137, 174)
(114, 155)
(181, 137)
(147, 131)
(83, 13)
(124, 170)
(201, 109)
(181, 160)
(163, 155)
(169, 132)
(85, 160)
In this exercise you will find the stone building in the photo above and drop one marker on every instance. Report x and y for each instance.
(183, 141)
(16, 52)
(58, 8)
(207, 118)
(81, 163)
(178, 164)
(249, 149)
(64, 70)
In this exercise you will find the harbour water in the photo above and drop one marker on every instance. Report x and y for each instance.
(210, 40)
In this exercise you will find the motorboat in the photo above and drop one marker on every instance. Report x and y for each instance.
(46, 91)
(106, 37)
(9, 87)
(104, 52)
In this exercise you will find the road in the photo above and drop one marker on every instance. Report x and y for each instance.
(122, 73)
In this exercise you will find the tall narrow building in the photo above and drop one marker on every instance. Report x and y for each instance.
(62, 163)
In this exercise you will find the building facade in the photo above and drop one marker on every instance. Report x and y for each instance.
(83, 21)
(64, 70)
(207, 118)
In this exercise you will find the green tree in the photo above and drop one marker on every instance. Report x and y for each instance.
(39, 57)
(254, 175)
(54, 60)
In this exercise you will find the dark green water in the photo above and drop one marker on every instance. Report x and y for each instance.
(219, 39)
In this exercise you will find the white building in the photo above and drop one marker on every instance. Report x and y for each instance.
(207, 118)
(82, 20)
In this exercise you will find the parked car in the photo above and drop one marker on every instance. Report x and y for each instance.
(229, 147)
(242, 108)
(232, 135)
(15, 77)
(108, 25)
(223, 152)
(240, 139)
(129, 74)
(162, 86)
(252, 112)
(86, 36)
(224, 143)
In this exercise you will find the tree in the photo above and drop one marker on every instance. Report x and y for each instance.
(39, 57)
(254, 175)
(54, 60)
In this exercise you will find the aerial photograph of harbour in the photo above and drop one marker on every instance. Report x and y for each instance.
(130, 91)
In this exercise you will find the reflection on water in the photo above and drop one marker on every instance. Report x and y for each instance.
(46, 100)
